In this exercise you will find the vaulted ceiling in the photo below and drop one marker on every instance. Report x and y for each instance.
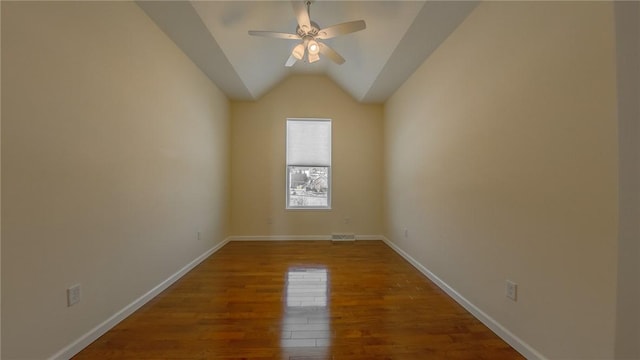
(399, 36)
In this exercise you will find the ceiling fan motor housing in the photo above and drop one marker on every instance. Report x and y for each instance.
(313, 32)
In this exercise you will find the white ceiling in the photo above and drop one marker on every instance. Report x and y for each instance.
(399, 36)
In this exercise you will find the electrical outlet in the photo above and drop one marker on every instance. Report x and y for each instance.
(512, 290)
(198, 236)
(347, 220)
(269, 221)
(73, 295)
(406, 232)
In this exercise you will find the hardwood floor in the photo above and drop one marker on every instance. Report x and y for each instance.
(301, 300)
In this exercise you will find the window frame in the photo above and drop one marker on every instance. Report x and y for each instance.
(287, 166)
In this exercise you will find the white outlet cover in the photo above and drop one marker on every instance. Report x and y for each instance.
(73, 295)
(512, 290)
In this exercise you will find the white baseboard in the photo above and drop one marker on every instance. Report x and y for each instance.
(279, 237)
(297, 237)
(370, 237)
(522, 347)
(93, 334)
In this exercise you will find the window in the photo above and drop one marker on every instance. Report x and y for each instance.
(308, 164)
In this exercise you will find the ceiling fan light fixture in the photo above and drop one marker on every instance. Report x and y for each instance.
(313, 58)
(298, 51)
(308, 31)
(313, 47)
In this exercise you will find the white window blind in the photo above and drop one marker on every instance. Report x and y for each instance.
(309, 142)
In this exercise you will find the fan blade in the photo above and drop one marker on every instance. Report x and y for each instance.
(273, 34)
(302, 15)
(290, 61)
(331, 54)
(341, 29)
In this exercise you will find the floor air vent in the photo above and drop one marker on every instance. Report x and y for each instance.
(343, 237)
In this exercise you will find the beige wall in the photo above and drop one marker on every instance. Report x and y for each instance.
(501, 154)
(0, 187)
(114, 156)
(258, 161)
(628, 72)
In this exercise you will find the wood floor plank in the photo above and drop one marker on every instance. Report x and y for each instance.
(301, 300)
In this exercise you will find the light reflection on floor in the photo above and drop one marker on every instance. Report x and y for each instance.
(306, 327)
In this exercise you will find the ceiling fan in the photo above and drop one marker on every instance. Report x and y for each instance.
(310, 34)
